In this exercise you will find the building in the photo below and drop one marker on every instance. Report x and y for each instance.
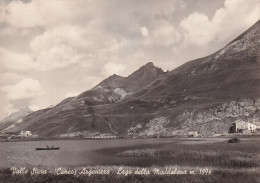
(242, 126)
(25, 133)
(193, 134)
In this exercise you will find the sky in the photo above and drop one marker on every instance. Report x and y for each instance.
(51, 50)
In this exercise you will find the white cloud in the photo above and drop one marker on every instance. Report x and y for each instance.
(63, 34)
(56, 48)
(165, 33)
(16, 61)
(25, 89)
(234, 17)
(198, 29)
(40, 12)
(10, 31)
(9, 78)
(113, 68)
(144, 31)
(21, 14)
(59, 56)
(59, 47)
(67, 45)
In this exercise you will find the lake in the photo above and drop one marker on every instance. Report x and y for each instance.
(73, 152)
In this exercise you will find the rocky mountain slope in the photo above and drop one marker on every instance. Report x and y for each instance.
(204, 95)
(72, 112)
(117, 87)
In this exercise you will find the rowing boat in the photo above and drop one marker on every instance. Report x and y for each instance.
(47, 148)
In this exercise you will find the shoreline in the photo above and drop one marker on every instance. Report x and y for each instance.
(175, 137)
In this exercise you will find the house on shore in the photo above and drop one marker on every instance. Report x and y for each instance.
(25, 133)
(193, 134)
(242, 127)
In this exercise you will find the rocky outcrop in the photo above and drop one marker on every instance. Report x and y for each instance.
(219, 118)
(156, 127)
(207, 122)
(246, 45)
(86, 134)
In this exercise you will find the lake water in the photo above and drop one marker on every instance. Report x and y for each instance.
(71, 153)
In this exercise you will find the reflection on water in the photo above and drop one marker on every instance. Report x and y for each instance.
(71, 153)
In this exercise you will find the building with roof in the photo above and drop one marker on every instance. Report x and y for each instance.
(25, 133)
(242, 126)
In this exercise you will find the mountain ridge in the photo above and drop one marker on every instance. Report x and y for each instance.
(204, 95)
(15, 117)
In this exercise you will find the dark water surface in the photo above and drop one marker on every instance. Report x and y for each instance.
(71, 153)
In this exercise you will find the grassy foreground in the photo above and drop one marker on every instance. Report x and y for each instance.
(232, 159)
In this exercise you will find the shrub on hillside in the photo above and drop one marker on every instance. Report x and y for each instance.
(234, 140)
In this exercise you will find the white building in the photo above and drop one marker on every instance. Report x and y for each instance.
(193, 134)
(240, 126)
(25, 133)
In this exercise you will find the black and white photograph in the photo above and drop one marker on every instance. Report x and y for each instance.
(129, 91)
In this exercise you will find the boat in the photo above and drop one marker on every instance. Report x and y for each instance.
(47, 148)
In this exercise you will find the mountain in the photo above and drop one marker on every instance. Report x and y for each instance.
(15, 118)
(204, 95)
(115, 87)
(208, 94)
(79, 113)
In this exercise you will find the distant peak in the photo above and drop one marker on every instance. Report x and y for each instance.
(149, 64)
(114, 76)
(19, 113)
(149, 69)
(24, 109)
(111, 79)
